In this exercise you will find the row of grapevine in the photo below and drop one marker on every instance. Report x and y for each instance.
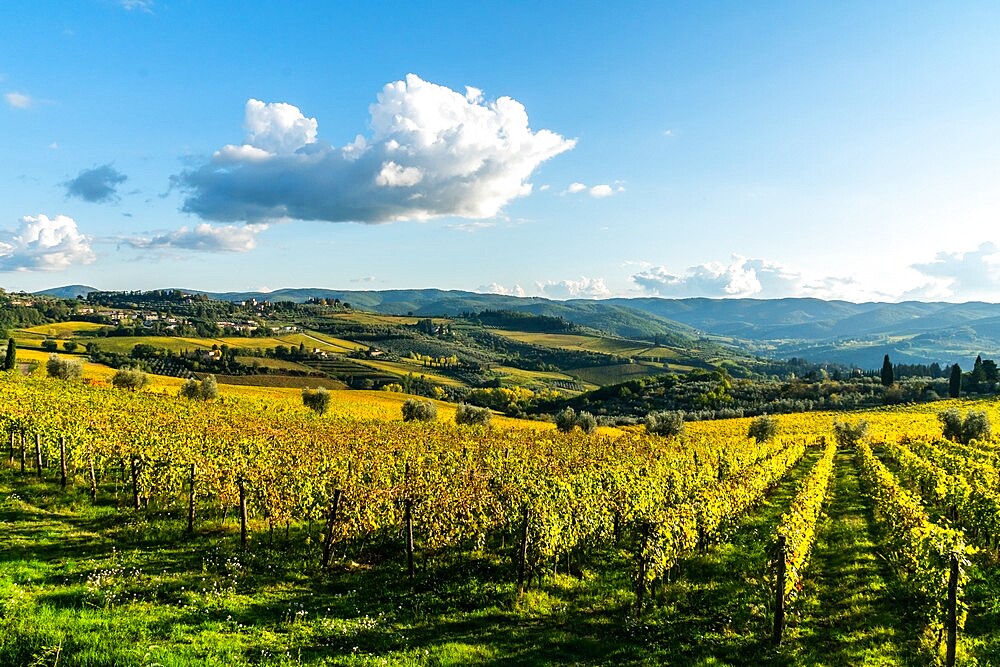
(927, 556)
(455, 487)
(963, 487)
(796, 533)
(668, 533)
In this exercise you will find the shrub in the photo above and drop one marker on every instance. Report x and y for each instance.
(209, 388)
(951, 424)
(205, 390)
(317, 400)
(50, 345)
(848, 434)
(566, 419)
(975, 425)
(470, 414)
(423, 411)
(129, 378)
(666, 423)
(763, 428)
(70, 345)
(587, 422)
(64, 369)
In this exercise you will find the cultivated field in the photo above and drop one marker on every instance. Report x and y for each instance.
(250, 531)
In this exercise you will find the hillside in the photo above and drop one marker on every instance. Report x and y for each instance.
(853, 334)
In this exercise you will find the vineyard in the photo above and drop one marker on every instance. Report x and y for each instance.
(143, 528)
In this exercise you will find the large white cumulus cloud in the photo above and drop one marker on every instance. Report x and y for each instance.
(42, 243)
(432, 152)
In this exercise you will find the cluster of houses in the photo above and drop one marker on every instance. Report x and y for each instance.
(148, 319)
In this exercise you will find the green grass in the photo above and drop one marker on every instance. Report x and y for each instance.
(616, 373)
(850, 612)
(96, 585)
(717, 609)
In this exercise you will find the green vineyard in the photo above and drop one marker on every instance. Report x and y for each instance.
(156, 521)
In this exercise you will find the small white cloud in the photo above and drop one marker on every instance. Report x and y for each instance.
(543, 188)
(597, 191)
(433, 152)
(497, 288)
(140, 5)
(44, 244)
(18, 100)
(472, 226)
(203, 238)
(363, 279)
(584, 288)
(54, 146)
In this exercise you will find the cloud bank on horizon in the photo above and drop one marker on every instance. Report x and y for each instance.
(433, 152)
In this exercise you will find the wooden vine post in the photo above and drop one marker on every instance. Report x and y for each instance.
(640, 584)
(23, 455)
(93, 481)
(243, 512)
(952, 620)
(62, 461)
(408, 518)
(779, 593)
(191, 492)
(12, 446)
(328, 535)
(38, 454)
(522, 556)
(136, 498)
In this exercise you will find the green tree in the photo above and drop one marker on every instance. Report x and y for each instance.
(470, 414)
(665, 423)
(414, 410)
(205, 390)
(69, 345)
(888, 377)
(50, 345)
(129, 378)
(64, 369)
(849, 434)
(587, 422)
(10, 361)
(566, 419)
(763, 428)
(317, 400)
(955, 381)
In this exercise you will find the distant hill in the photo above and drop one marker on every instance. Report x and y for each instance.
(69, 291)
(856, 334)
(603, 316)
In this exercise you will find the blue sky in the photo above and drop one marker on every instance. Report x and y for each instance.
(839, 150)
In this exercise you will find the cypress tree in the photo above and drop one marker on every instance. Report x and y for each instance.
(10, 361)
(955, 381)
(888, 377)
